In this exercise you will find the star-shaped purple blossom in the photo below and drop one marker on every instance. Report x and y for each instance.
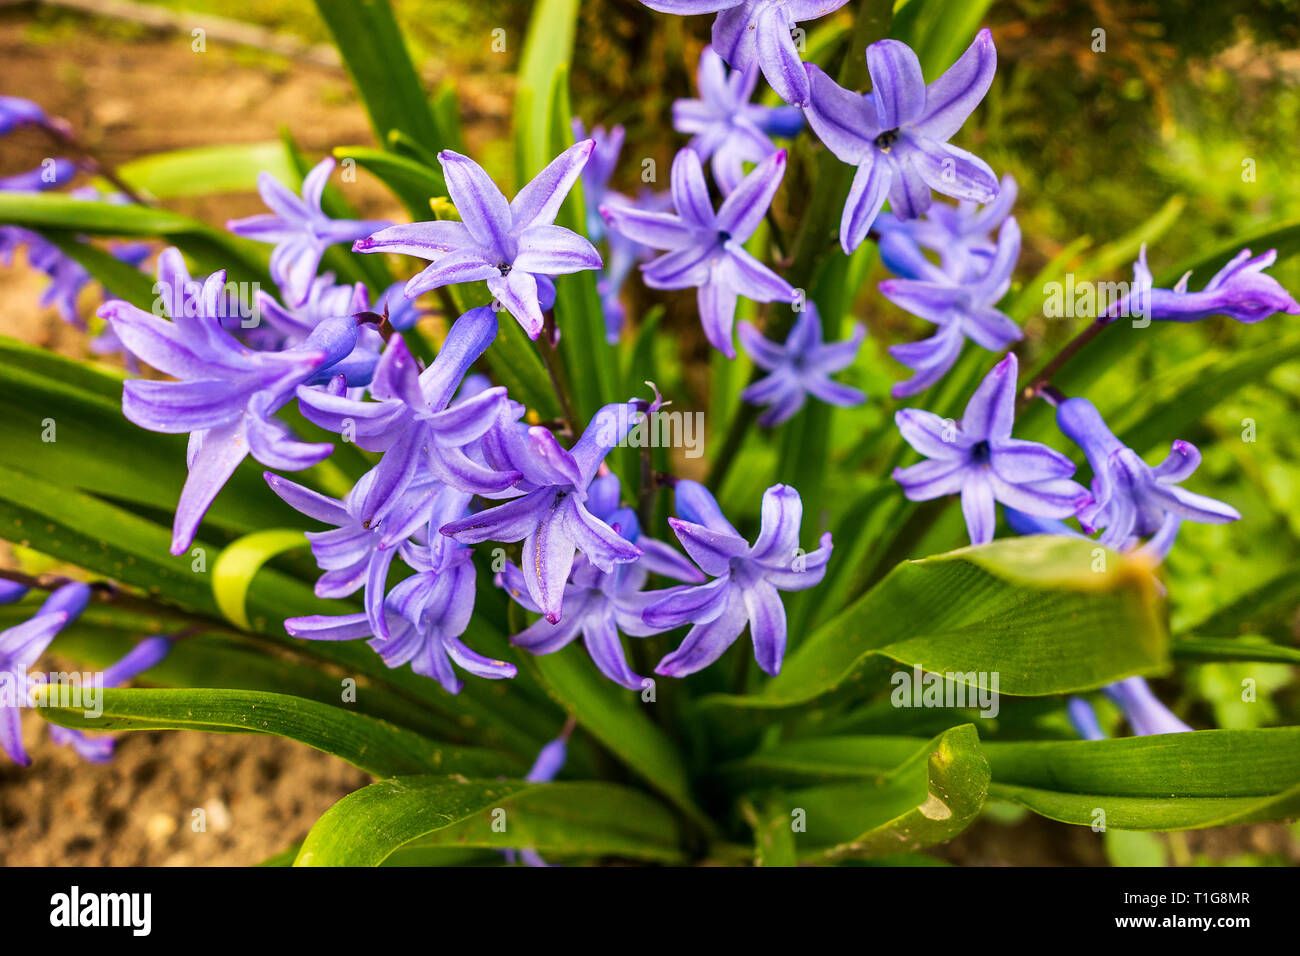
(962, 235)
(514, 245)
(299, 228)
(598, 604)
(724, 125)
(706, 247)
(324, 300)
(421, 620)
(16, 111)
(226, 393)
(1130, 499)
(962, 306)
(21, 646)
(897, 135)
(802, 366)
(750, 33)
(1240, 290)
(415, 418)
(747, 580)
(552, 518)
(979, 459)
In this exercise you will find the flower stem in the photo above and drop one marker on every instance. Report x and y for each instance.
(1043, 380)
(65, 137)
(546, 346)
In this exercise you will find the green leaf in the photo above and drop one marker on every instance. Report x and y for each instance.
(204, 170)
(373, 745)
(930, 798)
(548, 47)
(1032, 610)
(616, 717)
(413, 182)
(243, 259)
(1167, 782)
(774, 843)
(89, 437)
(1249, 648)
(239, 562)
(375, 54)
(574, 819)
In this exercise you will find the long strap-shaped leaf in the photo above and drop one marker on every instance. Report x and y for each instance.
(573, 819)
(374, 745)
(1046, 614)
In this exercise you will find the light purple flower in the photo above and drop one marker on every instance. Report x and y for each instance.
(979, 459)
(515, 246)
(962, 235)
(58, 172)
(802, 366)
(724, 125)
(598, 604)
(16, 112)
(897, 135)
(21, 646)
(226, 393)
(706, 247)
(1131, 499)
(1146, 715)
(758, 32)
(324, 300)
(415, 418)
(147, 654)
(299, 228)
(1240, 290)
(747, 580)
(402, 313)
(421, 620)
(552, 518)
(962, 306)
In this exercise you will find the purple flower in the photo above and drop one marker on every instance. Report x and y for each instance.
(144, 656)
(226, 393)
(11, 591)
(724, 125)
(515, 246)
(980, 460)
(1131, 499)
(552, 517)
(1146, 715)
(1239, 290)
(897, 135)
(746, 584)
(962, 307)
(598, 604)
(300, 230)
(324, 300)
(801, 367)
(961, 234)
(421, 620)
(402, 313)
(21, 646)
(16, 112)
(707, 248)
(57, 173)
(758, 32)
(415, 419)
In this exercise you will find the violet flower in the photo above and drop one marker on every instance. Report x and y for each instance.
(21, 646)
(597, 604)
(402, 313)
(1145, 714)
(551, 517)
(707, 248)
(962, 307)
(299, 228)
(979, 459)
(724, 125)
(1240, 290)
(415, 418)
(747, 579)
(758, 32)
(324, 300)
(515, 246)
(59, 172)
(226, 393)
(146, 655)
(897, 135)
(16, 112)
(962, 235)
(421, 620)
(1130, 499)
(800, 367)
